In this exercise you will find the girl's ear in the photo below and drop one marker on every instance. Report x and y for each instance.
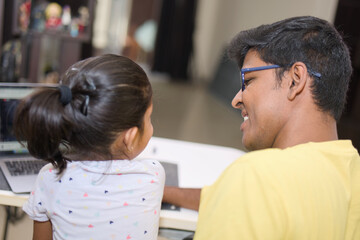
(130, 138)
(298, 78)
(125, 143)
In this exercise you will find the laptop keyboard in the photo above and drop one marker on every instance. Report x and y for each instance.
(24, 167)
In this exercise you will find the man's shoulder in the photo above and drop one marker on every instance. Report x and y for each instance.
(261, 155)
(255, 161)
(342, 146)
(297, 156)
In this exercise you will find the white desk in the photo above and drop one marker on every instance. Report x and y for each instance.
(198, 165)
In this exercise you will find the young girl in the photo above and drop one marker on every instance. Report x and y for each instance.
(90, 129)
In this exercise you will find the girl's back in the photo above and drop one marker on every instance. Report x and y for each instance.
(102, 199)
(90, 129)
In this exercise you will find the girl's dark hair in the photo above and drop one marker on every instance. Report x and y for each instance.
(110, 94)
(310, 40)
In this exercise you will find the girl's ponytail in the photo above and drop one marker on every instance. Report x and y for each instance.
(40, 123)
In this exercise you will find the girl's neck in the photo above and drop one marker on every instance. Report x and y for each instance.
(89, 157)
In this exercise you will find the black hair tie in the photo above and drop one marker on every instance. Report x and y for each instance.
(65, 94)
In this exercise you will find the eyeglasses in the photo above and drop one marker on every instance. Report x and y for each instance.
(245, 70)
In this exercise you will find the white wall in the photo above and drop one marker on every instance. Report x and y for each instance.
(111, 24)
(219, 20)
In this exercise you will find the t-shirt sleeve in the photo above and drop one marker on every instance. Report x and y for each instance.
(241, 204)
(157, 180)
(35, 206)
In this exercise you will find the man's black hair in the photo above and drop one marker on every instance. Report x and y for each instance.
(310, 40)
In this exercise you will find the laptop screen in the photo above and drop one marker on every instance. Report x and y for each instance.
(9, 99)
(10, 95)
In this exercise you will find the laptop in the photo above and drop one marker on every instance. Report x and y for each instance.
(17, 166)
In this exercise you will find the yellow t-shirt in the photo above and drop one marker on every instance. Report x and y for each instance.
(310, 191)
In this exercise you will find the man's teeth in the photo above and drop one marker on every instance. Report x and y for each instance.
(246, 118)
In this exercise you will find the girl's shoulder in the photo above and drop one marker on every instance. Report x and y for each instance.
(48, 171)
(117, 166)
(153, 163)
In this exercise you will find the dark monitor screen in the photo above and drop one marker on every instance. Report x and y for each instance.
(9, 98)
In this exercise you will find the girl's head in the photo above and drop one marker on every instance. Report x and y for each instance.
(101, 110)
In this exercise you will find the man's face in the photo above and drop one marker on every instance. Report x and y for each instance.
(263, 104)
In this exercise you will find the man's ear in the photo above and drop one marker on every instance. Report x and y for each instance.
(130, 138)
(298, 77)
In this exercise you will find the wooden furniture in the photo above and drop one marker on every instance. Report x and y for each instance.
(48, 45)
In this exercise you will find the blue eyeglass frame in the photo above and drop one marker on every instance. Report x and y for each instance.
(245, 70)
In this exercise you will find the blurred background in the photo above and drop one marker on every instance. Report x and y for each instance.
(180, 43)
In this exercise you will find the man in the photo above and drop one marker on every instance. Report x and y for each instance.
(300, 182)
